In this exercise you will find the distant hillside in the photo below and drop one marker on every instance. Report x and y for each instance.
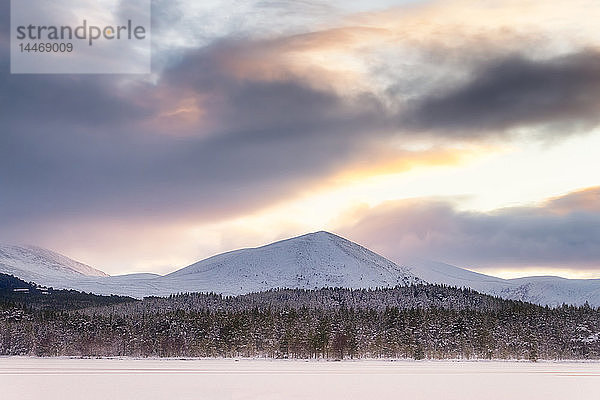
(16, 291)
(44, 267)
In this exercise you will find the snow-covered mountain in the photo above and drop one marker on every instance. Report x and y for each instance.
(310, 261)
(545, 290)
(314, 260)
(42, 266)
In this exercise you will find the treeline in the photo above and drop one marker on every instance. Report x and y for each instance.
(403, 297)
(17, 292)
(403, 322)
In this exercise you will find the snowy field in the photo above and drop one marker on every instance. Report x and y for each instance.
(91, 379)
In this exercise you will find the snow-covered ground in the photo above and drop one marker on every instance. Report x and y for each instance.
(91, 379)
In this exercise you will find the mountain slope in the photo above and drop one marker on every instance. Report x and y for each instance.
(552, 290)
(545, 290)
(310, 261)
(42, 266)
(314, 260)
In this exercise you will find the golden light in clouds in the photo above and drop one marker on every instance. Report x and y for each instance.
(583, 200)
(180, 112)
(454, 20)
(388, 161)
(485, 181)
(185, 114)
(477, 178)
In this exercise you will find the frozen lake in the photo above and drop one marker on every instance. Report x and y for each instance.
(101, 379)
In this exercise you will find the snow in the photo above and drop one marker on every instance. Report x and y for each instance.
(310, 261)
(315, 260)
(215, 379)
(545, 290)
(44, 267)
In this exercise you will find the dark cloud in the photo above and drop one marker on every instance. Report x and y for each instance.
(283, 106)
(65, 99)
(511, 237)
(512, 92)
(76, 147)
(60, 101)
(4, 26)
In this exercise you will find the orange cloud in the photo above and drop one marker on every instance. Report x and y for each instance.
(587, 199)
(385, 161)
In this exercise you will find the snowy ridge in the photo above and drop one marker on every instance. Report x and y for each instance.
(310, 261)
(42, 266)
(544, 290)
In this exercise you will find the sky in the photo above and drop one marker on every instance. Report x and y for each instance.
(460, 131)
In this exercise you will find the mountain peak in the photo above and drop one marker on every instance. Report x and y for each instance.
(313, 260)
(321, 234)
(311, 236)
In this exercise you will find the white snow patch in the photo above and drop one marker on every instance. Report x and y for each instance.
(216, 379)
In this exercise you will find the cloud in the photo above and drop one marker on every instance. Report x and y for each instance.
(516, 92)
(4, 25)
(81, 100)
(494, 94)
(515, 237)
(245, 87)
(586, 200)
(79, 148)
